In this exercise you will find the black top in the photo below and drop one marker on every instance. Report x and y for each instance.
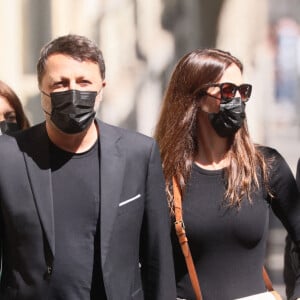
(228, 245)
(76, 198)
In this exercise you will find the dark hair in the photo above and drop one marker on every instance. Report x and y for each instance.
(14, 101)
(76, 46)
(176, 131)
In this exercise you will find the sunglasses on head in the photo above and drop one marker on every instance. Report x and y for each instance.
(228, 90)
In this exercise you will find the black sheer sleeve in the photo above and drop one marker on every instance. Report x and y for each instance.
(285, 200)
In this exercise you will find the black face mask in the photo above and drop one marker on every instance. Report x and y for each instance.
(72, 110)
(230, 118)
(8, 127)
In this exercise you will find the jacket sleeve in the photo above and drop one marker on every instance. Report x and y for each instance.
(155, 248)
(292, 259)
(286, 199)
(286, 206)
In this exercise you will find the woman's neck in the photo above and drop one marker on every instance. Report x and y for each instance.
(212, 151)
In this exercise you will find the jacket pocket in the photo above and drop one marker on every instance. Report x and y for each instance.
(129, 200)
(137, 294)
(131, 204)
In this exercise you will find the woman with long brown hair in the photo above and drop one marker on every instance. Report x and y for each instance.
(12, 116)
(227, 182)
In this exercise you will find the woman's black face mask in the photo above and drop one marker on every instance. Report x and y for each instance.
(8, 127)
(72, 110)
(230, 118)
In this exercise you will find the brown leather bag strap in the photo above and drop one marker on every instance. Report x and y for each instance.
(180, 231)
(267, 280)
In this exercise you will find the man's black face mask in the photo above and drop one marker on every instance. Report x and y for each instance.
(72, 110)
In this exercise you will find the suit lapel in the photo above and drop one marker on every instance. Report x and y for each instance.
(37, 160)
(36, 154)
(112, 169)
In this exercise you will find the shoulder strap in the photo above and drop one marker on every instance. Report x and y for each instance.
(180, 231)
(267, 280)
(181, 234)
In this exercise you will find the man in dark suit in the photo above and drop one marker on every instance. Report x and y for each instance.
(83, 213)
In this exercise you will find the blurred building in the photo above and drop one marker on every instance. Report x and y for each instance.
(141, 41)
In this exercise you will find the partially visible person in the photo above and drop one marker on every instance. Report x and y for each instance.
(12, 116)
(292, 256)
(228, 182)
(83, 212)
(298, 174)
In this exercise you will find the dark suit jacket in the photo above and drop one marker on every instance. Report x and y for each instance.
(135, 243)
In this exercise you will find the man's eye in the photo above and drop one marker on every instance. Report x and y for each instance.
(60, 84)
(84, 82)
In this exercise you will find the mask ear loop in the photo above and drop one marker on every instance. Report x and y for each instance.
(49, 114)
(45, 93)
(101, 89)
(46, 112)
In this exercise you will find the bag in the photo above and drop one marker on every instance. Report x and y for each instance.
(273, 295)
(180, 232)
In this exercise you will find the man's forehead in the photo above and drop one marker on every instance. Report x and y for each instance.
(60, 58)
(65, 66)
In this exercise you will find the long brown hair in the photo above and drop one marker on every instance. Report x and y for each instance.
(176, 131)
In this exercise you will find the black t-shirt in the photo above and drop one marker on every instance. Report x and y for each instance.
(228, 245)
(76, 199)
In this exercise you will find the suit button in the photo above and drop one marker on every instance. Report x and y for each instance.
(49, 270)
